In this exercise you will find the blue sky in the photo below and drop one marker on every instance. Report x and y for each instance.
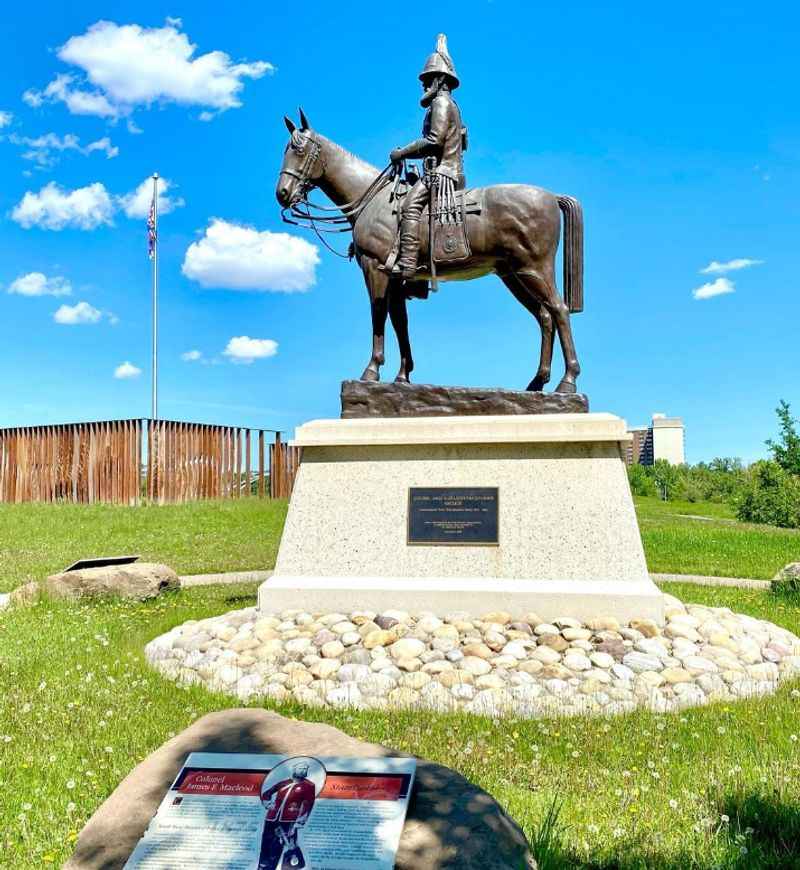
(676, 128)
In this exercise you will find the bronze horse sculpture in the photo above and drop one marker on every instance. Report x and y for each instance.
(513, 231)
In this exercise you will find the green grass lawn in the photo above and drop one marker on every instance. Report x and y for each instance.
(36, 540)
(710, 787)
(675, 542)
(201, 537)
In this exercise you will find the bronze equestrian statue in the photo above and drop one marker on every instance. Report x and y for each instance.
(509, 229)
(443, 140)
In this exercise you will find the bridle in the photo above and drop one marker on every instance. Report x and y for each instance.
(344, 216)
(313, 153)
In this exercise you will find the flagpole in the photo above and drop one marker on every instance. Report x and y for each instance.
(155, 296)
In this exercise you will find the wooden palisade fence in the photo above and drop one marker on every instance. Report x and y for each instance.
(124, 461)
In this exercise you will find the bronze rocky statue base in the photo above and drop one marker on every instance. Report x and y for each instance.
(370, 399)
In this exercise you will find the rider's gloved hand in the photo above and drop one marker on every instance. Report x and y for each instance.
(396, 155)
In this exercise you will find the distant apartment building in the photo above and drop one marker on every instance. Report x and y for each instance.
(662, 439)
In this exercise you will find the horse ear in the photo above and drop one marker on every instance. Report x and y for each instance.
(289, 124)
(304, 125)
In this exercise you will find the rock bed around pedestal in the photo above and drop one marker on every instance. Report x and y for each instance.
(496, 665)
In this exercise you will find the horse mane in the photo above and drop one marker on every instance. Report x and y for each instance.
(363, 165)
(353, 158)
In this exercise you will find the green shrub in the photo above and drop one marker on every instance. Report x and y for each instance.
(786, 450)
(669, 479)
(771, 496)
(641, 480)
(720, 480)
(693, 491)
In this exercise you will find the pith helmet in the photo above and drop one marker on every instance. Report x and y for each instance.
(440, 63)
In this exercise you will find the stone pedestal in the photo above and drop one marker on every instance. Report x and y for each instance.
(381, 399)
(567, 545)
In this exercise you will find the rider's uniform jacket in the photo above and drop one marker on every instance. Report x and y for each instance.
(442, 128)
(442, 137)
(289, 800)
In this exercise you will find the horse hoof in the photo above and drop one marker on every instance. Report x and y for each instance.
(402, 379)
(566, 387)
(536, 385)
(370, 375)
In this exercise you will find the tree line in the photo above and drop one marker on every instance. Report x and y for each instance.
(767, 491)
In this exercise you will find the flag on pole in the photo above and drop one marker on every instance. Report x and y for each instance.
(151, 228)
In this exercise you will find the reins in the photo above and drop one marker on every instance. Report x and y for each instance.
(345, 216)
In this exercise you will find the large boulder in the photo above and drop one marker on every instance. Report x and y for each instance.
(787, 579)
(138, 581)
(451, 823)
(790, 571)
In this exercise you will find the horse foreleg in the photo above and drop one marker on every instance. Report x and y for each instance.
(377, 283)
(373, 370)
(529, 300)
(399, 317)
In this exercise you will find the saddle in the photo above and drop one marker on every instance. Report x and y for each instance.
(445, 216)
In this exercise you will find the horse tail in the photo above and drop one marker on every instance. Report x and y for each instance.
(573, 252)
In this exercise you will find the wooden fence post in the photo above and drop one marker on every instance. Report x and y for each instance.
(126, 461)
(247, 447)
(261, 463)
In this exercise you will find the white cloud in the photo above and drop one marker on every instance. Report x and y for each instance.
(191, 356)
(717, 268)
(244, 349)
(236, 257)
(127, 370)
(38, 284)
(103, 145)
(79, 102)
(87, 208)
(33, 98)
(82, 312)
(136, 204)
(54, 208)
(5, 118)
(129, 65)
(42, 147)
(714, 288)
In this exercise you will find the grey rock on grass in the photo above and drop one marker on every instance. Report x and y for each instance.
(139, 581)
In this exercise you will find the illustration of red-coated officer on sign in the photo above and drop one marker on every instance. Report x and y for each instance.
(288, 794)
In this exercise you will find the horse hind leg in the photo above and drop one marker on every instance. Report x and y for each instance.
(528, 299)
(544, 290)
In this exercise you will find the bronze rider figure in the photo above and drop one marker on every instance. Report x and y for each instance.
(441, 146)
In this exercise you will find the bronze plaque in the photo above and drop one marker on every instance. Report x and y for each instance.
(465, 515)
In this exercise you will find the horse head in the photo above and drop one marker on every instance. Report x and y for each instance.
(302, 164)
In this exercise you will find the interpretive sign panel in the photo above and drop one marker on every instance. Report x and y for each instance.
(231, 811)
(452, 515)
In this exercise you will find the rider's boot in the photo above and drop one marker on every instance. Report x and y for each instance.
(409, 247)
